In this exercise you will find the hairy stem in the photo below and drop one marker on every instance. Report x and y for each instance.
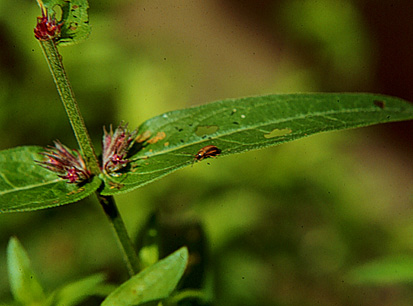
(68, 98)
(82, 136)
(111, 210)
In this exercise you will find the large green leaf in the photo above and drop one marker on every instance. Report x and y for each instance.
(25, 186)
(23, 282)
(74, 17)
(239, 125)
(153, 283)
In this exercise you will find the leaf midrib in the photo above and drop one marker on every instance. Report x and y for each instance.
(29, 187)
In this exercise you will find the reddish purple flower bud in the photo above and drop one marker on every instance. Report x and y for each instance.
(115, 148)
(47, 28)
(68, 164)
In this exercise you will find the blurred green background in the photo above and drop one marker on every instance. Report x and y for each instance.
(288, 225)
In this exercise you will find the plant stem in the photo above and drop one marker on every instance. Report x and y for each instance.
(111, 210)
(68, 98)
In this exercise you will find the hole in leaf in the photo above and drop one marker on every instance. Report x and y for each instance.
(277, 133)
(379, 103)
(57, 9)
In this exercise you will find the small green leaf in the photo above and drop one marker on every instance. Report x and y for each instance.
(170, 141)
(76, 292)
(25, 186)
(153, 283)
(383, 271)
(75, 19)
(148, 242)
(23, 282)
(188, 294)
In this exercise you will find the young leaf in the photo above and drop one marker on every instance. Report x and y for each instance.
(76, 292)
(74, 17)
(25, 186)
(385, 271)
(172, 140)
(23, 282)
(153, 283)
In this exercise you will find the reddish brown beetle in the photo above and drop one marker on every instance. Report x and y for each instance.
(207, 151)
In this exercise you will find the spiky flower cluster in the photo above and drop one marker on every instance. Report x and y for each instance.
(115, 148)
(68, 164)
(47, 28)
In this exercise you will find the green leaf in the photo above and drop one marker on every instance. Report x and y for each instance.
(240, 125)
(75, 19)
(25, 186)
(153, 283)
(188, 294)
(385, 271)
(76, 292)
(23, 282)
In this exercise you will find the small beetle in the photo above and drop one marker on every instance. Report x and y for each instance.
(207, 151)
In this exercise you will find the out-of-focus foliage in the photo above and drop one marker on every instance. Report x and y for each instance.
(285, 225)
(384, 271)
(23, 281)
(27, 290)
(153, 283)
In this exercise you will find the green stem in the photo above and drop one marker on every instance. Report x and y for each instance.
(54, 61)
(111, 210)
(82, 136)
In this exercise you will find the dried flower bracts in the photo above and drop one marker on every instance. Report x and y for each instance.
(115, 148)
(68, 164)
(47, 28)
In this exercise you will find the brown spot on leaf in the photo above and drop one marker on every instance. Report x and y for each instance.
(159, 136)
(76, 191)
(143, 137)
(114, 185)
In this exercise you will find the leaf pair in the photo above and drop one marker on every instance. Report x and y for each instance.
(171, 141)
